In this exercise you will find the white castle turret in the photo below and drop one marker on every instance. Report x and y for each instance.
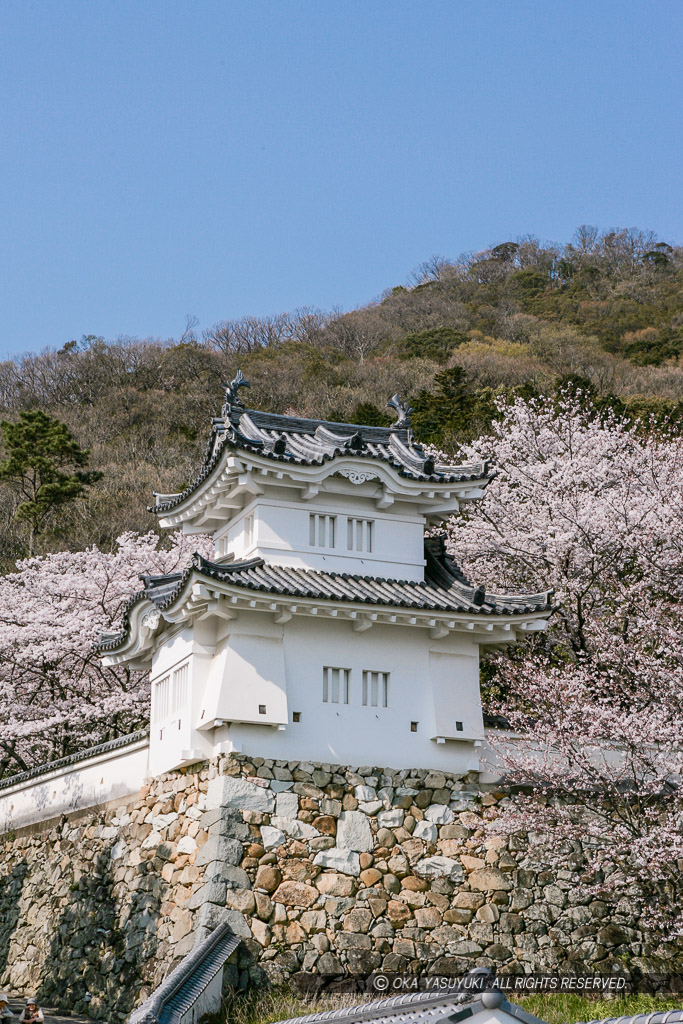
(325, 628)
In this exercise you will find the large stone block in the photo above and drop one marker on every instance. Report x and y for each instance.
(428, 917)
(287, 805)
(220, 848)
(268, 877)
(293, 827)
(328, 965)
(210, 916)
(358, 920)
(236, 877)
(226, 791)
(241, 899)
(295, 894)
(398, 913)
(345, 861)
(212, 892)
(440, 867)
(370, 807)
(487, 879)
(354, 832)
(187, 845)
(440, 814)
(352, 940)
(314, 921)
(335, 884)
(391, 819)
(426, 831)
(272, 837)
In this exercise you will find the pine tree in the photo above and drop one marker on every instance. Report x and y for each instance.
(46, 465)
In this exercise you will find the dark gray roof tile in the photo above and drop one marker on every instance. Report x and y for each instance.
(304, 442)
(444, 589)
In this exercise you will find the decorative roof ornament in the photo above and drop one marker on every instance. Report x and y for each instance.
(356, 442)
(231, 391)
(402, 410)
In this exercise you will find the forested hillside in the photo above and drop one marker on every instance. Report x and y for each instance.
(605, 311)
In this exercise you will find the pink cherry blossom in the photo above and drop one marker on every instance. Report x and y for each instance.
(56, 696)
(593, 507)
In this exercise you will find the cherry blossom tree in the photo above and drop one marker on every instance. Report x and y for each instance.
(55, 694)
(591, 506)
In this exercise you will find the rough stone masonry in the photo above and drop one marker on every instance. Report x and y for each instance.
(319, 868)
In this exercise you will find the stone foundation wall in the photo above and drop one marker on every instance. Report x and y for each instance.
(356, 870)
(320, 868)
(91, 907)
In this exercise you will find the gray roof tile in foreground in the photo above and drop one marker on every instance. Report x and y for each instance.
(419, 1008)
(450, 1008)
(181, 989)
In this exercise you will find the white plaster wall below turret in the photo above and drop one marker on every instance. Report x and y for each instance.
(355, 734)
(174, 740)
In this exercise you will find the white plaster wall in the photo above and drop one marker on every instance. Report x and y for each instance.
(175, 740)
(281, 537)
(113, 775)
(457, 708)
(246, 674)
(358, 735)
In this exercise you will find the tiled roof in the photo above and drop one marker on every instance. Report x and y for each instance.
(179, 992)
(303, 442)
(451, 1007)
(444, 589)
(428, 1007)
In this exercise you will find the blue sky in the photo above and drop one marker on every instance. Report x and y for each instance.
(218, 159)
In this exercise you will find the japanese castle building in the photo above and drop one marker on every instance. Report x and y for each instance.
(326, 627)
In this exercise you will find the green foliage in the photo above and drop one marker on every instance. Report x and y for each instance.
(528, 283)
(436, 344)
(454, 411)
(662, 412)
(369, 414)
(45, 464)
(604, 311)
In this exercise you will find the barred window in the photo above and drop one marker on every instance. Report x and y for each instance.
(336, 685)
(375, 689)
(171, 693)
(322, 530)
(162, 698)
(359, 534)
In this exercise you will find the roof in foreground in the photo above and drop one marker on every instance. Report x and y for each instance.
(450, 1007)
(420, 1008)
(444, 589)
(304, 442)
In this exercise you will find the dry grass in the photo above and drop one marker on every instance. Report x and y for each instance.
(567, 1008)
(262, 1006)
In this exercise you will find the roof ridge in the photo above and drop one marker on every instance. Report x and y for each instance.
(442, 589)
(302, 442)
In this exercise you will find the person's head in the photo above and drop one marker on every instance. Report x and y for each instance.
(3, 1002)
(32, 1005)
